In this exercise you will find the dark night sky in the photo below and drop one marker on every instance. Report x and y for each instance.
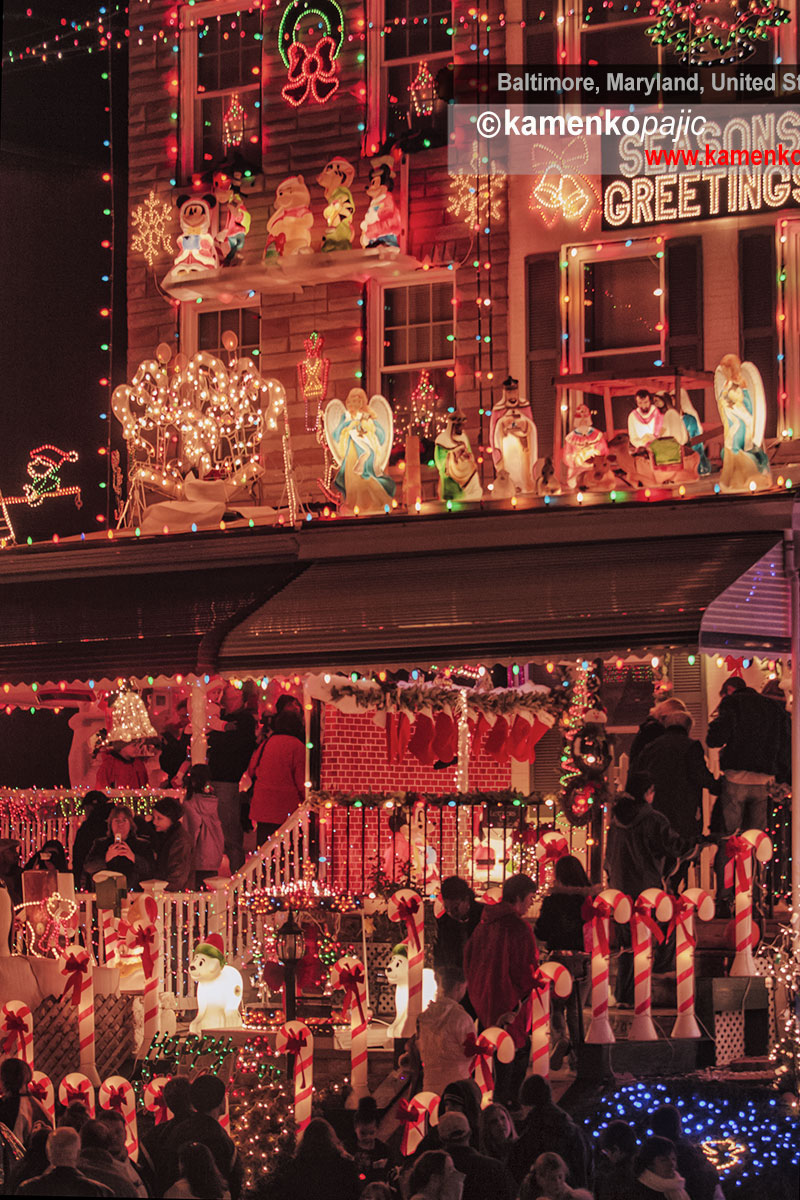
(52, 158)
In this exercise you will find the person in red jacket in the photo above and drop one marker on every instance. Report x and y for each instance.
(500, 961)
(277, 770)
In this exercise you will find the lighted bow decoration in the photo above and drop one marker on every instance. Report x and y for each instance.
(141, 938)
(683, 917)
(475, 1047)
(116, 1098)
(643, 910)
(313, 73)
(594, 911)
(737, 851)
(407, 911)
(58, 930)
(561, 189)
(75, 968)
(352, 980)
(15, 1029)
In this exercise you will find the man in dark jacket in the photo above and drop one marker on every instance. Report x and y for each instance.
(62, 1178)
(753, 734)
(96, 810)
(677, 765)
(97, 1162)
(484, 1178)
(230, 749)
(208, 1099)
(500, 961)
(548, 1128)
(454, 929)
(172, 845)
(641, 850)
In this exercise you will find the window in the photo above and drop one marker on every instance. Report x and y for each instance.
(423, 36)
(221, 100)
(417, 334)
(244, 322)
(616, 34)
(541, 33)
(757, 305)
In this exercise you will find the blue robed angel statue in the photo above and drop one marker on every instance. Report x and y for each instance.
(359, 434)
(742, 406)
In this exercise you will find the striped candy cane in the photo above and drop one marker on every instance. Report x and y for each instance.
(417, 1115)
(739, 874)
(76, 1088)
(16, 1031)
(108, 924)
(41, 1088)
(117, 1094)
(79, 971)
(154, 1100)
(225, 1116)
(689, 904)
(348, 973)
(650, 906)
(492, 895)
(597, 912)
(550, 976)
(405, 905)
(296, 1038)
(550, 847)
(482, 1050)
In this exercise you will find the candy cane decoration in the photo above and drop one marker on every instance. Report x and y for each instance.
(482, 1050)
(117, 1094)
(79, 971)
(406, 905)
(650, 906)
(41, 1089)
(550, 847)
(739, 874)
(296, 1038)
(597, 912)
(145, 937)
(110, 937)
(16, 1031)
(348, 973)
(154, 1100)
(492, 895)
(417, 1115)
(689, 904)
(76, 1089)
(551, 976)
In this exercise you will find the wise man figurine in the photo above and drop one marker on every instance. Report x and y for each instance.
(645, 422)
(455, 462)
(513, 437)
(582, 444)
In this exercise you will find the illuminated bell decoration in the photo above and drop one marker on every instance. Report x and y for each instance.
(475, 198)
(560, 189)
(707, 34)
(130, 721)
(423, 91)
(233, 124)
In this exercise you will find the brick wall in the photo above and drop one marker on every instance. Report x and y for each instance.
(354, 759)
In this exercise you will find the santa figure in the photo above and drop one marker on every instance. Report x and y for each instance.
(645, 422)
(512, 433)
(44, 469)
(582, 444)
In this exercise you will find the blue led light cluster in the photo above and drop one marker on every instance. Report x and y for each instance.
(759, 1131)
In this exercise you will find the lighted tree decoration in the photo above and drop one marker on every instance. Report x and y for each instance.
(422, 405)
(712, 33)
(476, 197)
(233, 124)
(584, 756)
(423, 92)
(151, 220)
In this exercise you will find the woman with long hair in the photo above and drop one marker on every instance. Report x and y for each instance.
(202, 823)
(121, 850)
(560, 925)
(319, 1167)
(496, 1132)
(199, 1178)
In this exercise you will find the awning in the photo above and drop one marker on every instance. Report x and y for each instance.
(753, 614)
(134, 624)
(491, 605)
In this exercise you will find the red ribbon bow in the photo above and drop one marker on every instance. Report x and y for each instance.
(295, 1042)
(407, 1113)
(74, 968)
(159, 1106)
(144, 936)
(644, 912)
(37, 1089)
(738, 851)
(79, 1094)
(734, 665)
(15, 1029)
(311, 72)
(351, 979)
(407, 910)
(476, 1048)
(553, 851)
(594, 911)
(116, 1098)
(683, 909)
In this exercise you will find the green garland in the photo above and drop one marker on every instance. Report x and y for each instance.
(510, 798)
(388, 697)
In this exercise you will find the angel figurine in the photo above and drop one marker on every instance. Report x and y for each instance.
(359, 434)
(742, 406)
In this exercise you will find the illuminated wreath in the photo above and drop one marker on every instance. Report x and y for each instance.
(313, 73)
(328, 11)
(707, 35)
(580, 798)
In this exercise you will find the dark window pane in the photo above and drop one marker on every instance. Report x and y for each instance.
(620, 308)
(442, 302)
(395, 307)
(419, 305)
(419, 344)
(394, 350)
(622, 44)
(440, 346)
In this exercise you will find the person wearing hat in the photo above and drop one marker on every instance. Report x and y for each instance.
(582, 445)
(208, 1100)
(96, 808)
(513, 437)
(483, 1176)
(172, 844)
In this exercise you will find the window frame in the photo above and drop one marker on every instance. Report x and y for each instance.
(377, 88)
(190, 99)
(377, 367)
(189, 326)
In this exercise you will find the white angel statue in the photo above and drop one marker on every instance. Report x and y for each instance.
(742, 406)
(360, 434)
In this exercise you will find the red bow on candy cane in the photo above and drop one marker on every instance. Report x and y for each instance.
(738, 851)
(351, 979)
(15, 1029)
(407, 910)
(311, 71)
(159, 1106)
(144, 936)
(37, 1090)
(475, 1047)
(407, 1113)
(295, 1042)
(553, 851)
(683, 910)
(643, 911)
(116, 1098)
(593, 913)
(74, 968)
(78, 1094)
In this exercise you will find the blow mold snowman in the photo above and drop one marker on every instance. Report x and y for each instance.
(219, 987)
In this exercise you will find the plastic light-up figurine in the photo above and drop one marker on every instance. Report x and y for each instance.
(296, 1038)
(219, 987)
(551, 976)
(650, 906)
(417, 1115)
(739, 875)
(335, 179)
(483, 1049)
(597, 913)
(397, 972)
(348, 973)
(690, 903)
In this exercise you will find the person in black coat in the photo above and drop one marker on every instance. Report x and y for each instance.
(319, 1168)
(547, 1127)
(96, 810)
(121, 850)
(455, 927)
(560, 926)
(677, 765)
(484, 1177)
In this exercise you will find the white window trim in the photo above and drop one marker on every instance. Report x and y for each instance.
(190, 17)
(375, 318)
(190, 313)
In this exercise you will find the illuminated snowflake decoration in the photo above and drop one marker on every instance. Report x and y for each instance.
(476, 198)
(150, 222)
